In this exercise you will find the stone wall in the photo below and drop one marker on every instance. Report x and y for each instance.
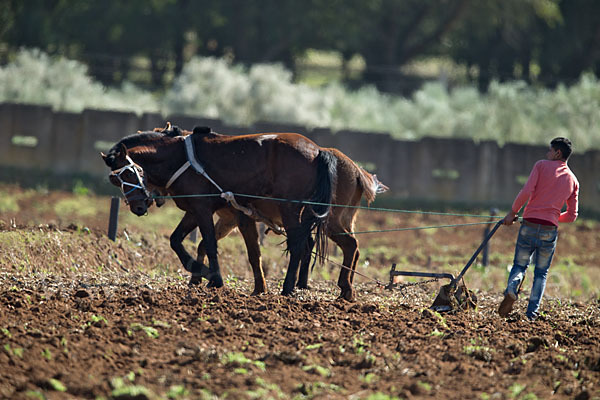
(432, 169)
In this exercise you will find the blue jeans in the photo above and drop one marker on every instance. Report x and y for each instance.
(538, 244)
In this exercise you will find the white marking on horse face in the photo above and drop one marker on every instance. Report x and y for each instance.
(265, 137)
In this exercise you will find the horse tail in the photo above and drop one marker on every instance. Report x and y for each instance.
(326, 173)
(316, 211)
(370, 185)
(323, 194)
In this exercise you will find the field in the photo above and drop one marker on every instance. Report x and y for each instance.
(84, 317)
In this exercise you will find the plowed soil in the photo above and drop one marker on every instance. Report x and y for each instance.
(85, 317)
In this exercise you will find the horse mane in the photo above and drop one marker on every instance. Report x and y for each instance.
(174, 130)
(140, 139)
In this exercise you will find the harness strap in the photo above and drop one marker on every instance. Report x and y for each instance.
(178, 173)
(191, 156)
(228, 196)
(191, 161)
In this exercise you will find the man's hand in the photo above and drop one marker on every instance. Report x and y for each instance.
(510, 218)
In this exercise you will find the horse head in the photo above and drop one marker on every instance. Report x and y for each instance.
(129, 177)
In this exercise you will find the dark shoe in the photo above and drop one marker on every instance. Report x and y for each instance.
(507, 304)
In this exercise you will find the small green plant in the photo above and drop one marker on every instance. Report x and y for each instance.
(370, 378)
(314, 346)
(266, 390)
(132, 391)
(57, 385)
(381, 396)
(18, 351)
(35, 394)
(314, 389)
(324, 372)
(150, 331)
(63, 343)
(424, 385)
(120, 389)
(98, 318)
(516, 389)
(47, 354)
(359, 344)
(177, 391)
(241, 360)
(160, 323)
(440, 319)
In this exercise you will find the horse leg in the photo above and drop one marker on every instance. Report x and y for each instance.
(292, 272)
(207, 229)
(296, 244)
(354, 263)
(349, 246)
(185, 226)
(225, 224)
(250, 234)
(305, 265)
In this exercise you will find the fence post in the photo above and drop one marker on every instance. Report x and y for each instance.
(114, 218)
(486, 231)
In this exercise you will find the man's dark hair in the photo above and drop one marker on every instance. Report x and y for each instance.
(562, 144)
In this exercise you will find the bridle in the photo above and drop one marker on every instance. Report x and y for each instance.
(136, 169)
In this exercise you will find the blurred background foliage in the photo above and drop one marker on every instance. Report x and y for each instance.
(504, 70)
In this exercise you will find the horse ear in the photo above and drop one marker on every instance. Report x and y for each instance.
(122, 151)
(107, 159)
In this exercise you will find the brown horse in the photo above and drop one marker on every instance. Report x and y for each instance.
(282, 165)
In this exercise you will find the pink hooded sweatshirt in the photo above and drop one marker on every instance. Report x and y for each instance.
(550, 185)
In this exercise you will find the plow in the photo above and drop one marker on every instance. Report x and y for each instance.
(454, 295)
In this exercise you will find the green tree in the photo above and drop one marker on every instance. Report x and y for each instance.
(396, 32)
(571, 47)
(500, 39)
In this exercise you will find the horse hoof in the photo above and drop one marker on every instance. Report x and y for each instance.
(195, 280)
(258, 292)
(302, 286)
(347, 294)
(215, 282)
(285, 292)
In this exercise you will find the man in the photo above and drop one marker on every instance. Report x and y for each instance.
(550, 184)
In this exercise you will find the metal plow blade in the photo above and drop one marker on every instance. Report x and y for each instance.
(454, 299)
(455, 295)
